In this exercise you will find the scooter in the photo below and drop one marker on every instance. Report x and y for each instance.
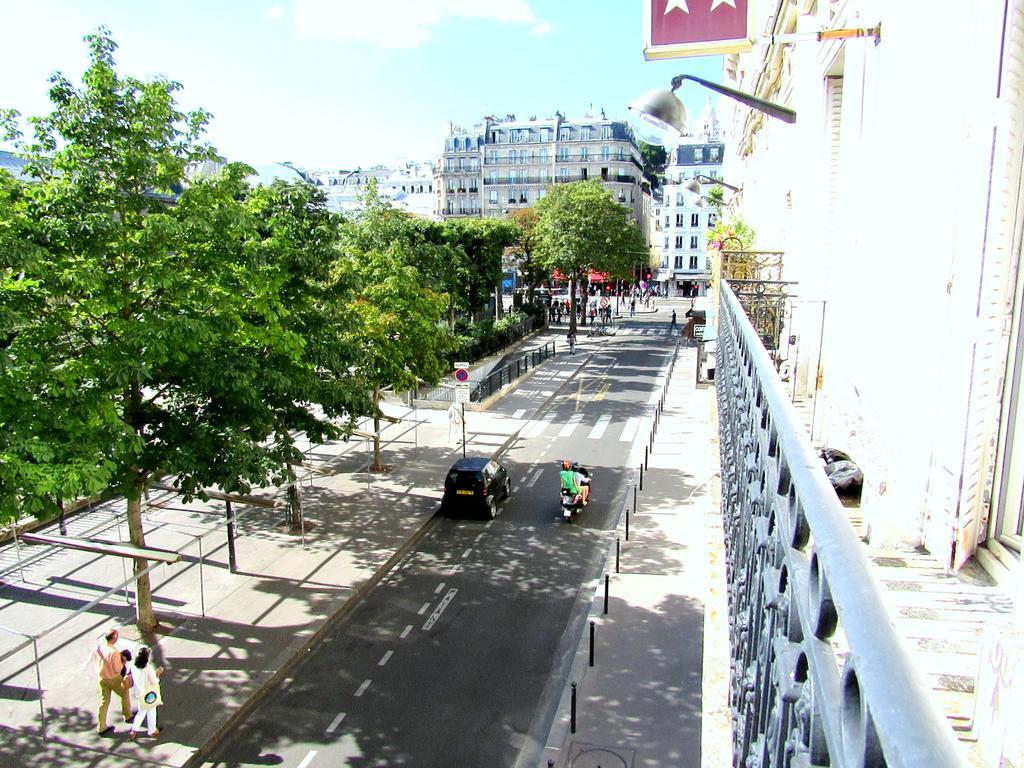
(572, 503)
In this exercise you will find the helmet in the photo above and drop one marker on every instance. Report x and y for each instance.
(566, 464)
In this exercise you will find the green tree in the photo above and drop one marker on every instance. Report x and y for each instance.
(175, 338)
(580, 227)
(400, 338)
(483, 241)
(525, 251)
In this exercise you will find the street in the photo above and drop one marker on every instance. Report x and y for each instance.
(448, 660)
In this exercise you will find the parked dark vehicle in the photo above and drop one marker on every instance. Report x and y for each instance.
(475, 485)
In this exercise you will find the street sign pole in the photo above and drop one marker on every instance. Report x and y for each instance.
(463, 430)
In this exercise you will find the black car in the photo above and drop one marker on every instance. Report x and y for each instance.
(476, 485)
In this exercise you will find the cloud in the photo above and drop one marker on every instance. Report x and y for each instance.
(402, 23)
(274, 13)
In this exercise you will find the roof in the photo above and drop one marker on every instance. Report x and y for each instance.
(471, 463)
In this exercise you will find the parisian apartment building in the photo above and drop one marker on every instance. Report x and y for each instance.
(682, 219)
(505, 164)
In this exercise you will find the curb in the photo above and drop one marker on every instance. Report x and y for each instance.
(198, 757)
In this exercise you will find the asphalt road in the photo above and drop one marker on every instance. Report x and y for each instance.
(458, 657)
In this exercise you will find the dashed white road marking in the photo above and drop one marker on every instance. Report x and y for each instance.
(423, 609)
(453, 569)
(384, 658)
(466, 553)
(362, 688)
(600, 427)
(518, 413)
(335, 722)
(439, 588)
(307, 759)
(629, 431)
(533, 478)
(571, 425)
(405, 632)
(440, 608)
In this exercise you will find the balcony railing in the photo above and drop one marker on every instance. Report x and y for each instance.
(819, 675)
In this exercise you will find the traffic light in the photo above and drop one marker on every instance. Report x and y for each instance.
(647, 276)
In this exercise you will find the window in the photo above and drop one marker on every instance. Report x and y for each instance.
(563, 174)
(693, 242)
(512, 155)
(679, 198)
(563, 153)
(492, 156)
(565, 134)
(666, 242)
(541, 193)
(712, 220)
(698, 154)
(694, 219)
(542, 176)
(584, 153)
(545, 134)
(668, 220)
(693, 262)
(606, 132)
(679, 242)
(606, 152)
(492, 177)
(679, 220)
(679, 262)
(622, 153)
(494, 197)
(712, 154)
(543, 155)
(511, 177)
(523, 197)
(523, 155)
(585, 132)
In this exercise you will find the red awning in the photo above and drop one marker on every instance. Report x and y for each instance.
(595, 277)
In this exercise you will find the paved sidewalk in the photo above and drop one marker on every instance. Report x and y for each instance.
(224, 637)
(641, 703)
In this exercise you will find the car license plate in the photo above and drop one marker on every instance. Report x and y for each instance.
(464, 492)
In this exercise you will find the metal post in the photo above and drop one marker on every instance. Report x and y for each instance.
(591, 643)
(572, 710)
(463, 430)
(634, 497)
(618, 549)
(39, 685)
(60, 516)
(627, 523)
(607, 578)
(202, 590)
(641, 477)
(232, 561)
(645, 456)
(17, 549)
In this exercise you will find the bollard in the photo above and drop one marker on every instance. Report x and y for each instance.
(634, 497)
(618, 548)
(591, 643)
(641, 477)
(627, 523)
(551, 764)
(607, 578)
(645, 457)
(572, 710)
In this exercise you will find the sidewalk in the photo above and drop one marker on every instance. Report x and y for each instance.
(224, 638)
(654, 696)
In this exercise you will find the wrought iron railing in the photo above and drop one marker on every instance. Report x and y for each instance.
(819, 675)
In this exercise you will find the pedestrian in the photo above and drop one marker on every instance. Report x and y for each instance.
(673, 325)
(632, 307)
(570, 337)
(109, 664)
(145, 682)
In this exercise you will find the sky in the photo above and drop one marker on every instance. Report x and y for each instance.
(333, 84)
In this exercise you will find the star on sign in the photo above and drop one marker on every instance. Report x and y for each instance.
(680, 4)
(716, 3)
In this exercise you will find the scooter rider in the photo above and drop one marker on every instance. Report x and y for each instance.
(575, 481)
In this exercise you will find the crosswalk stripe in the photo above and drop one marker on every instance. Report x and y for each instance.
(629, 430)
(570, 425)
(537, 427)
(600, 427)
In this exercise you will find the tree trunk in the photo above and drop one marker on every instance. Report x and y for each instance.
(573, 301)
(378, 466)
(585, 299)
(294, 502)
(145, 617)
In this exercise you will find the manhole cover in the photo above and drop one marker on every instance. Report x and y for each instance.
(589, 756)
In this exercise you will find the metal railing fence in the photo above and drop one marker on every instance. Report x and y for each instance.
(819, 675)
(509, 373)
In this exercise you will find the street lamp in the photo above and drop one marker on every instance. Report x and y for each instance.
(693, 189)
(659, 117)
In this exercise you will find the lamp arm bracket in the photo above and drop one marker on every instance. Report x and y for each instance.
(785, 114)
(841, 33)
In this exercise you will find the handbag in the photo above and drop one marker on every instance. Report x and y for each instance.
(150, 697)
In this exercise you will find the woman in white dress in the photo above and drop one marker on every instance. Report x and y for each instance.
(146, 687)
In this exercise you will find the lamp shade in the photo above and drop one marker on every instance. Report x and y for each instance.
(691, 192)
(658, 117)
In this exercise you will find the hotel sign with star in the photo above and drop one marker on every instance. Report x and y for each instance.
(674, 29)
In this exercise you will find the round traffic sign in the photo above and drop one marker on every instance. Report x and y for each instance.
(461, 374)
(605, 301)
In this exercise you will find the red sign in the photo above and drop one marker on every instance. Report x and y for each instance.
(675, 29)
